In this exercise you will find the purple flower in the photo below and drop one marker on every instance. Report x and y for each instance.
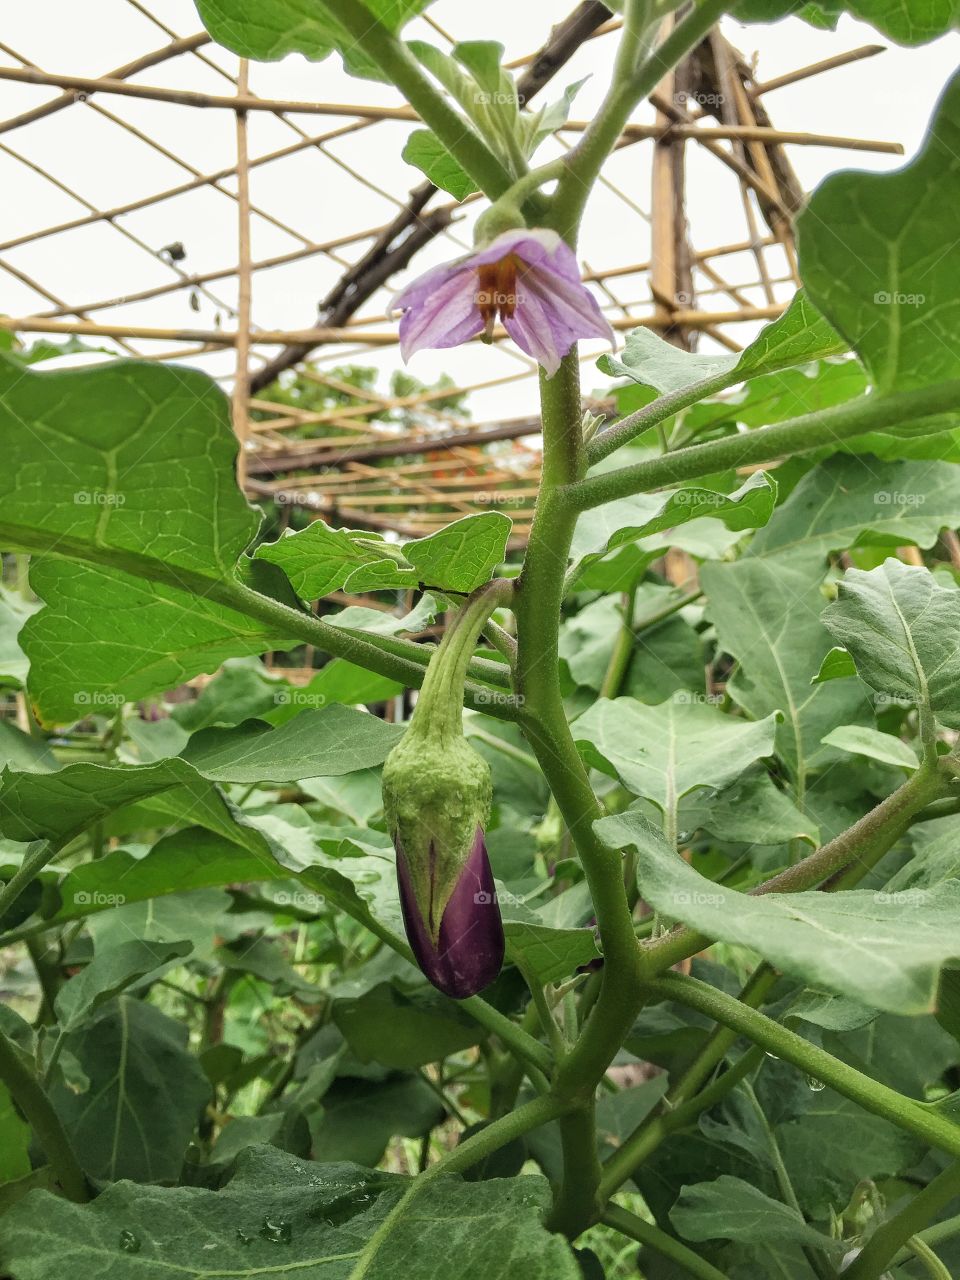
(529, 278)
(469, 951)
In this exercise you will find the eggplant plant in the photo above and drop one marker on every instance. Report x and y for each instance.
(634, 952)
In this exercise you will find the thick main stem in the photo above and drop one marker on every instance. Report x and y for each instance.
(544, 722)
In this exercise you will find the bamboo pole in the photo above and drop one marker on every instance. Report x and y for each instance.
(241, 382)
(827, 64)
(283, 337)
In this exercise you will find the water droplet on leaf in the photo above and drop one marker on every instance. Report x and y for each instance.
(242, 1237)
(815, 1085)
(276, 1230)
(129, 1242)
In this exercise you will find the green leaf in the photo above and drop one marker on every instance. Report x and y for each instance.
(872, 257)
(314, 744)
(461, 556)
(798, 336)
(766, 612)
(881, 951)
(109, 973)
(750, 811)
(605, 528)
(56, 806)
(426, 152)
(270, 29)
(901, 629)
(302, 1217)
(401, 1031)
(905, 21)
(144, 1097)
(547, 953)
(731, 1209)
(836, 665)
(336, 681)
(664, 752)
(143, 502)
(14, 1140)
(318, 559)
(361, 1117)
(859, 501)
(864, 741)
(14, 611)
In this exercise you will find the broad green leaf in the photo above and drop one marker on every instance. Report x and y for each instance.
(270, 29)
(14, 1140)
(766, 612)
(664, 752)
(135, 525)
(731, 1209)
(546, 952)
(380, 575)
(19, 751)
(241, 690)
(57, 806)
(318, 559)
(301, 1217)
(314, 744)
(836, 665)
(461, 556)
(401, 1031)
(903, 632)
(936, 857)
(14, 611)
(384, 622)
(881, 952)
(336, 681)
(144, 1097)
(797, 337)
(904, 21)
(859, 501)
(605, 528)
(109, 973)
(426, 152)
(864, 741)
(751, 810)
(874, 252)
(189, 859)
(361, 1117)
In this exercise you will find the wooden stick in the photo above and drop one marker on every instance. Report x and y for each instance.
(828, 64)
(282, 337)
(241, 382)
(184, 44)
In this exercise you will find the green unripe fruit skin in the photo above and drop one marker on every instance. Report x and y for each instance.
(436, 792)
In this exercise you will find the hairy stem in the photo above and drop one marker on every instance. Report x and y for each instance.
(891, 1235)
(905, 1113)
(667, 1246)
(798, 435)
(27, 1093)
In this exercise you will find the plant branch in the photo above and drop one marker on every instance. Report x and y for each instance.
(645, 1233)
(27, 1093)
(765, 444)
(905, 1113)
(402, 69)
(896, 1232)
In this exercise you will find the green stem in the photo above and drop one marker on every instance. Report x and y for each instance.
(487, 1140)
(818, 1263)
(629, 87)
(931, 1264)
(622, 649)
(646, 1233)
(402, 69)
(913, 1117)
(33, 1102)
(35, 858)
(646, 1138)
(797, 435)
(896, 1232)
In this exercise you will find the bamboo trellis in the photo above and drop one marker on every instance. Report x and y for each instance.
(351, 463)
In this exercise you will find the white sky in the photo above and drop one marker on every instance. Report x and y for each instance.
(889, 97)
